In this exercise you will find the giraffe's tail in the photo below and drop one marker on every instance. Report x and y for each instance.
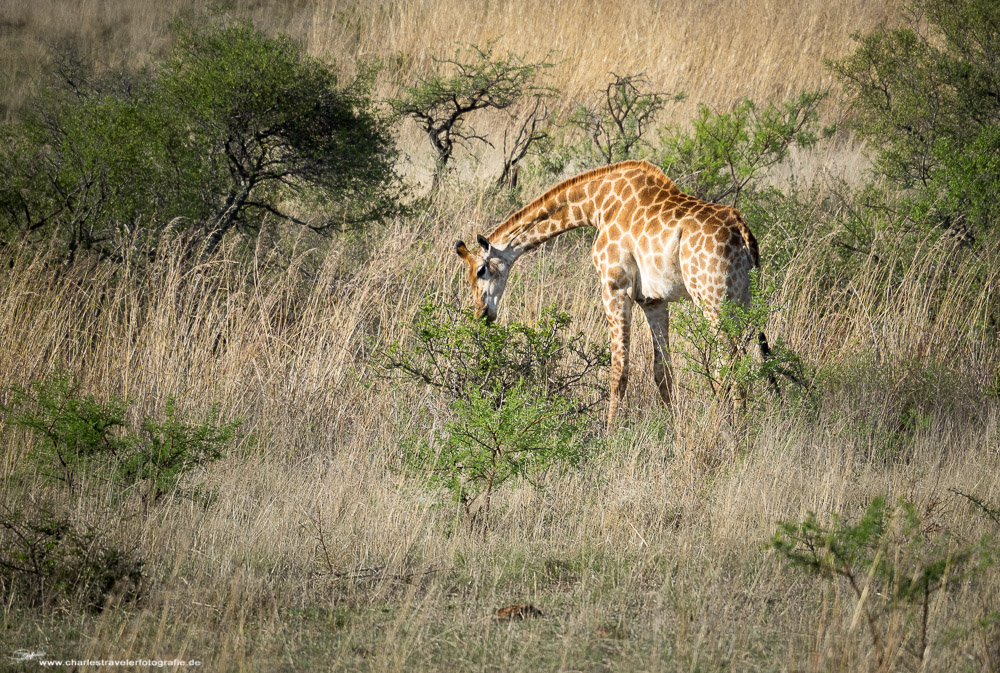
(754, 250)
(765, 354)
(748, 236)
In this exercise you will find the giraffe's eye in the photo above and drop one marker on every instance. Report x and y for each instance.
(481, 273)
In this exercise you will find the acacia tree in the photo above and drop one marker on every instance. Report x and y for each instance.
(926, 97)
(618, 121)
(274, 120)
(525, 135)
(233, 127)
(478, 79)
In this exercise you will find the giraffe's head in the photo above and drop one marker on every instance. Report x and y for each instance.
(487, 270)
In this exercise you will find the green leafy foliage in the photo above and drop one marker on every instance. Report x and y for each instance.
(517, 397)
(274, 125)
(503, 435)
(927, 98)
(90, 164)
(724, 152)
(891, 558)
(48, 555)
(466, 358)
(166, 450)
(476, 78)
(232, 128)
(721, 353)
(80, 435)
(72, 430)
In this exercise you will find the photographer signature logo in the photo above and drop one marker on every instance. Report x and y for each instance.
(22, 656)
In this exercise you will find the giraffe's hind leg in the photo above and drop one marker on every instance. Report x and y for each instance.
(724, 387)
(658, 318)
(739, 346)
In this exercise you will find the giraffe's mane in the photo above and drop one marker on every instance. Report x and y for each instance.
(586, 176)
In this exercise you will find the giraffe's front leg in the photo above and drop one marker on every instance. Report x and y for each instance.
(618, 306)
(658, 318)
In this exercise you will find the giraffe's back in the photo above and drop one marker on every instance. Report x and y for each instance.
(682, 246)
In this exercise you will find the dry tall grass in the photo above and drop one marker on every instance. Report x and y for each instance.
(305, 548)
(646, 558)
(717, 52)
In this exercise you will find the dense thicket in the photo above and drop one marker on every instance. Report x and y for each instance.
(927, 98)
(234, 126)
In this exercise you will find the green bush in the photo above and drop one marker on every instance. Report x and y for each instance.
(466, 358)
(274, 126)
(926, 97)
(784, 221)
(73, 432)
(91, 164)
(892, 559)
(724, 354)
(503, 435)
(165, 450)
(231, 128)
(517, 397)
(78, 435)
(725, 152)
(47, 554)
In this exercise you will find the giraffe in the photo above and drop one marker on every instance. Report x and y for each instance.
(654, 245)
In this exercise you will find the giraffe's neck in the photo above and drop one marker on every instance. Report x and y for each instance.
(590, 199)
(565, 207)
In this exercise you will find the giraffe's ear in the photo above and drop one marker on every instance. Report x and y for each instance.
(460, 248)
(483, 243)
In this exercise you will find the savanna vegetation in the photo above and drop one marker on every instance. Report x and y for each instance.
(247, 418)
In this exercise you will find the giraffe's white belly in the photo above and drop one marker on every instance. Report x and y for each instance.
(659, 287)
(657, 273)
